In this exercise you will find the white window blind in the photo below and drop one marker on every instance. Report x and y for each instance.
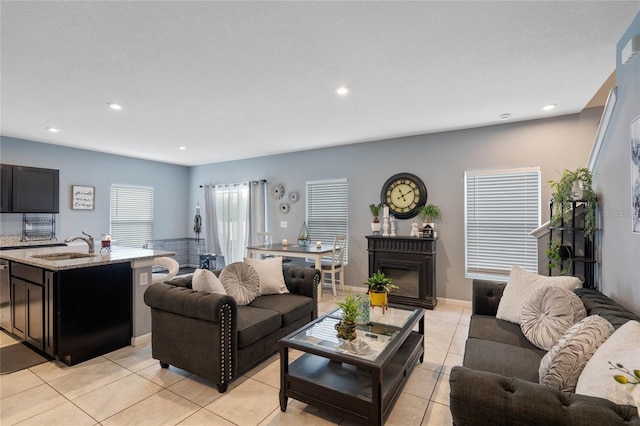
(131, 215)
(501, 208)
(328, 210)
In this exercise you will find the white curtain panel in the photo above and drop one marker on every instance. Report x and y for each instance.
(232, 213)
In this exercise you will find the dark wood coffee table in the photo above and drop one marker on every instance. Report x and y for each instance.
(361, 386)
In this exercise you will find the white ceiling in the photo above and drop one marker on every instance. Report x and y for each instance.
(232, 80)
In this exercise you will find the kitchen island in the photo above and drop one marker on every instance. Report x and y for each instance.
(75, 306)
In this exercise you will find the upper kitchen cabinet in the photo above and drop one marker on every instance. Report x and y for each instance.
(29, 189)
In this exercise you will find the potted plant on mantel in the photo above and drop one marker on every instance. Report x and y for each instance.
(429, 213)
(375, 211)
(379, 285)
(346, 328)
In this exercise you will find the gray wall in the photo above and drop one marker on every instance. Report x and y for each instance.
(81, 167)
(439, 159)
(620, 249)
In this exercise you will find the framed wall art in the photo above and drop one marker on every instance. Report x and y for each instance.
(83, 197)
(635, 174)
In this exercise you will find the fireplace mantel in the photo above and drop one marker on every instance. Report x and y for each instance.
(411, 263)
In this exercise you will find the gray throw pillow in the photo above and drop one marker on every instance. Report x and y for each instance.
(548, 314)
(241, 282)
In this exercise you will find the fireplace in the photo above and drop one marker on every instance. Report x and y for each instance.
(410, 262)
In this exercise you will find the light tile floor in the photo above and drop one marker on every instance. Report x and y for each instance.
(128, 387)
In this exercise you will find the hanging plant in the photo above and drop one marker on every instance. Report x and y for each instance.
(565, 193)
(559, 255)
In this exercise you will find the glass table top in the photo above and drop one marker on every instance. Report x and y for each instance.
(372, 338)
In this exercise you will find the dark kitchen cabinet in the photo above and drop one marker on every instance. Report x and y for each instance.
(30, 306)
(29, 189)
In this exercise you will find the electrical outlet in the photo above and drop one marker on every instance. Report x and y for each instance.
(283, 224)
(144, 278)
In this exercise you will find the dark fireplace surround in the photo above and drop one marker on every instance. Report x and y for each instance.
(411, 263)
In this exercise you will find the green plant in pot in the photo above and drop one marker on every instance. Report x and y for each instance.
(574, 186)
(379, 285)
(346, 328)
(429, 213)
(559, 256)
(375, 211)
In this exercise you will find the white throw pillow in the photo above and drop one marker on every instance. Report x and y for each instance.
(270, 273)
(205, 280)
(548, 315)
(623, 347)
(562, 365)
(521, 286)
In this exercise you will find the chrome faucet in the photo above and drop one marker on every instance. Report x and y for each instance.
(88, 240)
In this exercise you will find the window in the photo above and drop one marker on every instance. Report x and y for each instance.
(501, 208)
(131, 215)
(328, 210)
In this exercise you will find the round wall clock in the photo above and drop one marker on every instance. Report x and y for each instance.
(405, 194)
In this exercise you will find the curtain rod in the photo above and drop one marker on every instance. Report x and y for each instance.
(236, 184)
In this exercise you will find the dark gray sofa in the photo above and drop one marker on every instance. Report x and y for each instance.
(210, 335)
(498, 382)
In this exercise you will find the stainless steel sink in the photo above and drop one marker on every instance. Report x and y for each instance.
(62, 256)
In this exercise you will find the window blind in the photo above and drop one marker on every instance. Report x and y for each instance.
(328, 211)
(501, 208)
(131, 217)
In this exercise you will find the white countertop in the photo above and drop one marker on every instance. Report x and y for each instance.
(117, 255)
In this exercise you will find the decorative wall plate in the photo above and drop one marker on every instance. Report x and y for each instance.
(277, 191)
(294, 196)
(284, 208)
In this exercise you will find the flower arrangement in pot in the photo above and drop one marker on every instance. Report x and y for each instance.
(375, 211)
(379, 285)
(346, 328)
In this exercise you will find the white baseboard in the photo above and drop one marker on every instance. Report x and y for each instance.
(141, 340)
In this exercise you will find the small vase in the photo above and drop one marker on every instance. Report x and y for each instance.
(346, 330)
(375, 227)
(364, 307)
(577, 193)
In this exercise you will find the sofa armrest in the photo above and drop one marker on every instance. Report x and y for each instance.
(303, 281)
(482, 398)
(187, 302)
(486, 297)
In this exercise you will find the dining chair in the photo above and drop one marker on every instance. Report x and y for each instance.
(265, 239)
(333, 267)
(168, 263)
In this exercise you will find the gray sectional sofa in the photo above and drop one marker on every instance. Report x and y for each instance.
(498, 382)
(209, 335)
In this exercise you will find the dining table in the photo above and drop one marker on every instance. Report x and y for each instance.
(313, 251)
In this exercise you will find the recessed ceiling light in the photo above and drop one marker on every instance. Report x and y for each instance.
(505, 116)
(342, 91)
(53, 129)
(115, 106)
(549, 107)
(182, 148)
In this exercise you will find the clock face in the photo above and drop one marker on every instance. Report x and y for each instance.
(405, 194)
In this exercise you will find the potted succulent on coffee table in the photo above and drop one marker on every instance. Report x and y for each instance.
(379, 285)
(346, 328)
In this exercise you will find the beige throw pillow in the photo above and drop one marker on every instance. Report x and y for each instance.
(241, 282)
(548, 314)
(270, 273)
(623, 347)
(562, 365)
(205, 280)
(521, 286)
